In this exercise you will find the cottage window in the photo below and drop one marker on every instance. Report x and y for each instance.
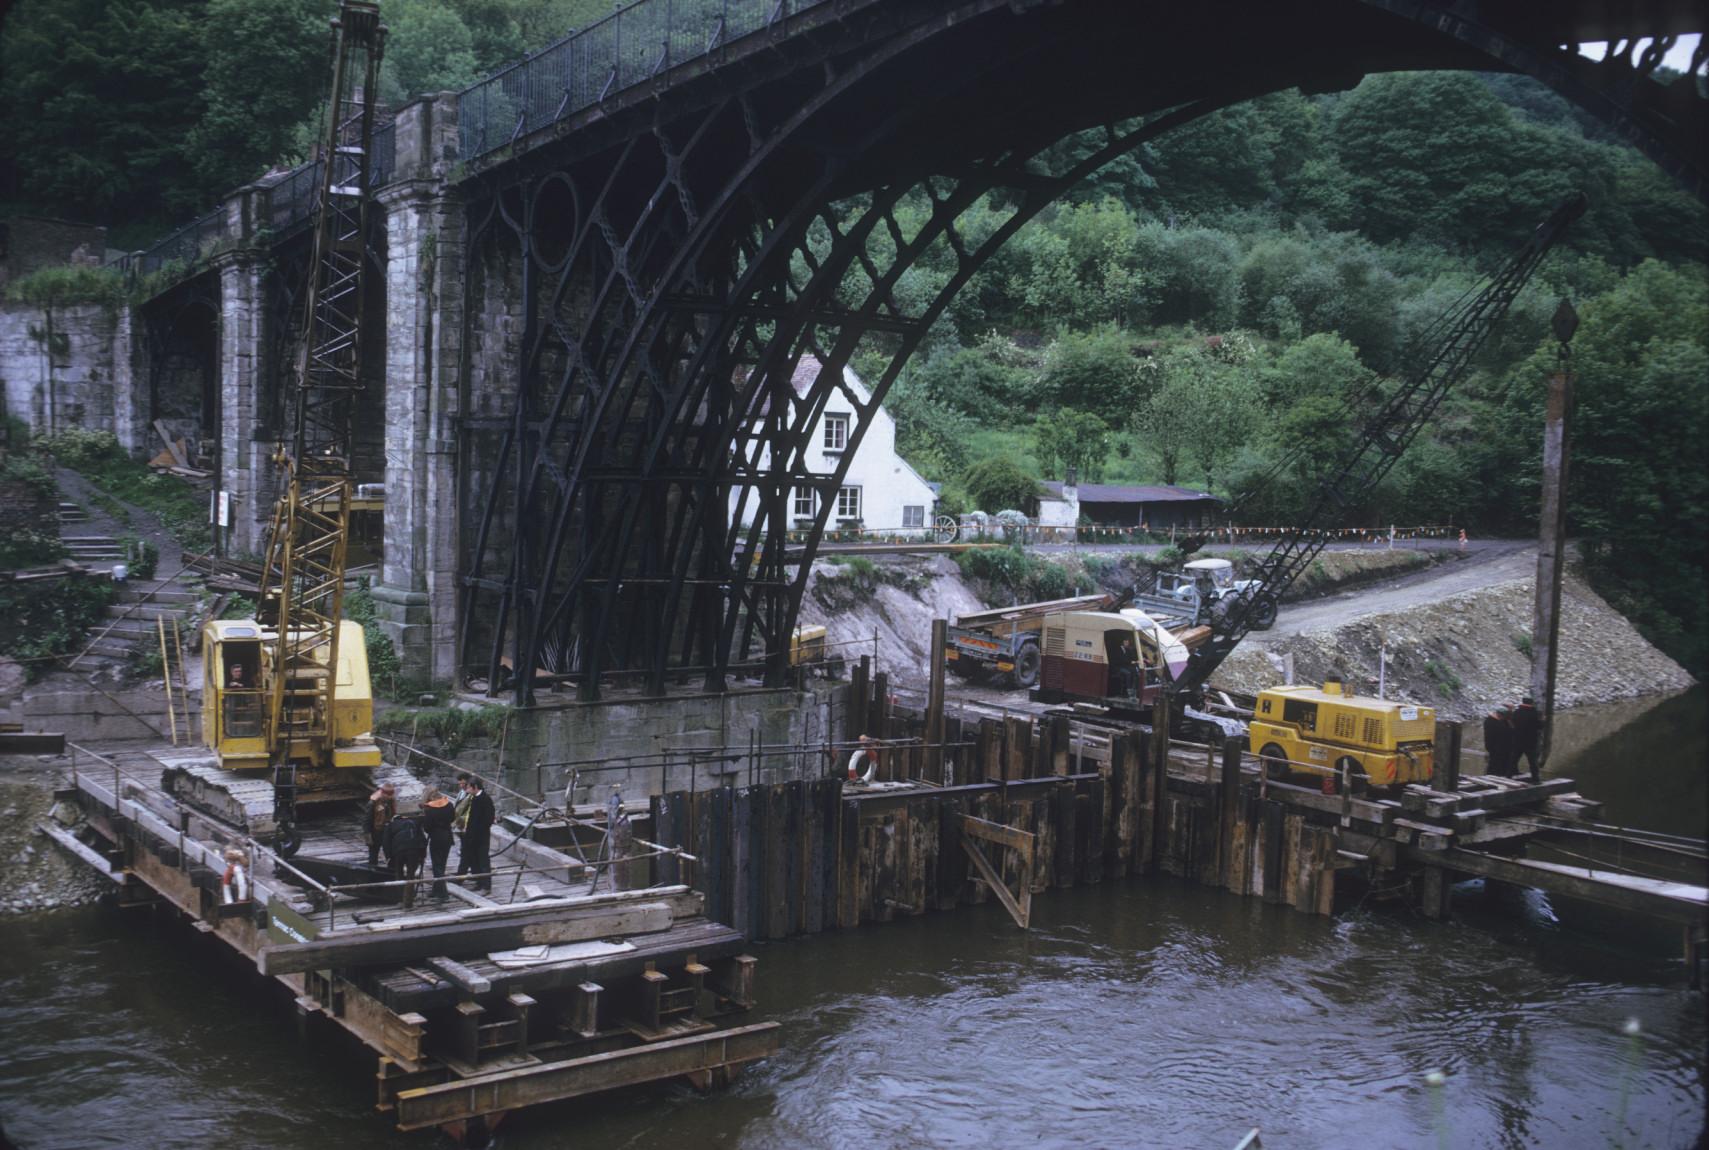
(848, 503)
(913, 516)
(836, 432)
(804, 501)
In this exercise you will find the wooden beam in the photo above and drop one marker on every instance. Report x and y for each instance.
(88, 854)
(998, 833)
(551, 925)
(995, 882)
(1673, 901)
(461, 976)
(467, 1098)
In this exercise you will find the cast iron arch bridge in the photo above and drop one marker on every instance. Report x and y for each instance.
(691, 217)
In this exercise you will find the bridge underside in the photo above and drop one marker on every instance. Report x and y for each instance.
(662, 296)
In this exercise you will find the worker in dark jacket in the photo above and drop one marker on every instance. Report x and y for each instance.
(1527, 728)
(1124, 668)
(406, 847)
(382, 808)
(436, 815)
(1498, 742)
(478, 837)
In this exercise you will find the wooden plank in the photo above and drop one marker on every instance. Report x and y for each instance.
(531, 1085)
(993, 882)
(952, 860)
(1093, 820)
(1017, 743)
(1062, 811)
(377, 948)
(460, 976)
(1427, 837)
(1445, 761)
(75, 846)
(935, 703)
(989, 765)
(1059, 744)
(178, 456)
(1228, 796)
(1524, 795)
(1007, 836)
(742, 835)
(848, 867)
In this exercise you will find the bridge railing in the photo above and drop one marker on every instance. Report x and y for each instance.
(627, 48)
(290, 202)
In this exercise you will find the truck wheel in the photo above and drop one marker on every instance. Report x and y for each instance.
(1275, 762)
(1264, 613)
(1027, 662)
(1358, 782)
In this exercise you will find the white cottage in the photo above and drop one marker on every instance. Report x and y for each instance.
(880, 491)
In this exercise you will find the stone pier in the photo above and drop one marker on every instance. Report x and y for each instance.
(416, 597)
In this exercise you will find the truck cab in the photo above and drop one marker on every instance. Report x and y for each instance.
(1338, 739)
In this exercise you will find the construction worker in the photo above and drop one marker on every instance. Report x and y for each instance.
(1124, 662)
(382, 809)
(437, 815)
(1498, 742)
(460, 820)
(478, 836)
(1527, 728)
(406, 848)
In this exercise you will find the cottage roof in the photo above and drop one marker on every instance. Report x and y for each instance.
(1122, 493)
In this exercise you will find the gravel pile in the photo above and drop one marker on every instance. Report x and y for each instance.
(1468, 652)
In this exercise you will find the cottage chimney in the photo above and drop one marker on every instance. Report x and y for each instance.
(1073, 479)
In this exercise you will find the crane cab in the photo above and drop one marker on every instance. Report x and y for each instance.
(236, 665)
(234, 707)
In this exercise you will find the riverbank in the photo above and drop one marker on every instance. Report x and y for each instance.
(36, 875)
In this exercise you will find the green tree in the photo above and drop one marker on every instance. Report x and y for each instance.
(266, 64)
(1066, 439)
(97, 102)
(1092, 371)
(1203, 411)
(1638, 496)
(1000, 484)
(429, 49)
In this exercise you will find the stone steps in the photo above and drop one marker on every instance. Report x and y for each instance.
(71, 513)
(170, 594)
(147, 612)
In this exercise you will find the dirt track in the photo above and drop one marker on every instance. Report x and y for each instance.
(1489, 565)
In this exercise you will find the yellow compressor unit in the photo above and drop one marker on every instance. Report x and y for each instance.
(1332, 735)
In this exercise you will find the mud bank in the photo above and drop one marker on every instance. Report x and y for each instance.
(35, 874)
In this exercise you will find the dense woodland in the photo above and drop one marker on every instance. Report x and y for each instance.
(1191, 315)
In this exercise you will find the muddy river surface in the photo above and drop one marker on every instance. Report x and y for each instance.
(1144, 1014)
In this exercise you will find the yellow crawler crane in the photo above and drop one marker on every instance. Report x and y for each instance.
(289, 690)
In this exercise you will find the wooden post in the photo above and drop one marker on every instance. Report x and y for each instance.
(934, 766)
(1232, 749)
(858, 698)
(1160, 772)
(1059, 745)
(1445, 772)
(1551, 550)
(879, 722)
(1018, 748)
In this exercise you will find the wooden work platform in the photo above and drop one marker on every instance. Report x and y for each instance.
(559, 982)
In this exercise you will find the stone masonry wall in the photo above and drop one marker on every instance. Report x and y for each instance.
(58, 368)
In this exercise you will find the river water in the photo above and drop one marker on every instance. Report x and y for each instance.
(1139, 1014)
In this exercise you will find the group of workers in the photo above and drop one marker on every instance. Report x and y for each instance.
(409, 840)
(1511, 733)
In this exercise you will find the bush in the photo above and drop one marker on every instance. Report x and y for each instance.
(450, 727)
(49, 619)
(384, 666)
(142, 557)
(97, 456)
(1000, 482)
(27, 548)
(62, 285)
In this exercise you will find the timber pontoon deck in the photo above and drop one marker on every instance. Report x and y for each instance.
(556, 984)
